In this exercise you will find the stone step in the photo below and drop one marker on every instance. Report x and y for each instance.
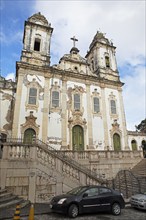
(11, 203)
(5, 194)
(2, 191)
(7, 198)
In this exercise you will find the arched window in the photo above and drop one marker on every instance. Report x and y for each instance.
(134, 145)
(117, 142)
(96, 104)
(37, 44)
(29, 134)
(77, 138)
(55, 99)
(77, 101)
(113, 107)
(32, 96)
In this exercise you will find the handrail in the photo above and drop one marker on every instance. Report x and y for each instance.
(59, 155)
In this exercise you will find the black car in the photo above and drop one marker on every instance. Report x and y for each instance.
(88, 199)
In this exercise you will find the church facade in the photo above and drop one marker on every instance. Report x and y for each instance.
(74, 105)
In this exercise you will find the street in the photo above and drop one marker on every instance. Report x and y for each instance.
(127, 214)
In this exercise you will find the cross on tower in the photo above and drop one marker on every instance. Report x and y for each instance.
(74, 40)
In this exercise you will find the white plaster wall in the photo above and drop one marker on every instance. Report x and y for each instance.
(23, 113)
(111, 120)
(44, 46)
(102, 52)
(98, 133)
(26, 111)
(4, 107)
(97, 121)
(113, 60)
(54, 128)
(84, 104)
(138, 140)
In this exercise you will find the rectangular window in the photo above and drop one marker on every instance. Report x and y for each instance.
(37, 45)
(76, 101)
(107, 63)
(32, 96)
(55, 99)
(113, 107)
(96, 105)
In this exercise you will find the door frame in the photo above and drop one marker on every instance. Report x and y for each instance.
(81, 129)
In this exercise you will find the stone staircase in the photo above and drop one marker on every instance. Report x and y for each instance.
(140, 168)
(130, 182)
(9, 200)
(140, 172)
(42, 171)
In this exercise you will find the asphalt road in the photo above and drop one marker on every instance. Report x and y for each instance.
(127, 214)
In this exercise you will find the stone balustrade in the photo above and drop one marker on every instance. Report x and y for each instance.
(48, 171)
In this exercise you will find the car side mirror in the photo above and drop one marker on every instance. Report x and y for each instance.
(85, 195)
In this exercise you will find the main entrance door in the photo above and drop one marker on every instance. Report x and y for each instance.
(77, 138)
(28, 135)
(117, 142)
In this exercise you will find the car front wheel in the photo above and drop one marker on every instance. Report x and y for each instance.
(116, 209)
(73, 211)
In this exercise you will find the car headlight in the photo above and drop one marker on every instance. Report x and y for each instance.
(142, 200)
(61, 201)
(122, 195)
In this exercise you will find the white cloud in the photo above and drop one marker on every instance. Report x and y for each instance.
(123, 21)
(134, 94)
(10, 76)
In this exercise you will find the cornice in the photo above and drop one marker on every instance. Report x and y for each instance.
(68, 75)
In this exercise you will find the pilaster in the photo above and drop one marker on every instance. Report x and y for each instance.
(89, 117)
(64, 114)
(45, 110)
(125, 135)
(104, 114)
(17, 105)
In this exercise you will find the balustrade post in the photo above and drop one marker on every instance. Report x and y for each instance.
(3, 166)
(32, 185)
(5, 151)
(33, 152)
(108, 153)
(83, 178)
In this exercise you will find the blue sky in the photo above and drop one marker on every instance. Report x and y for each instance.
(122, 21)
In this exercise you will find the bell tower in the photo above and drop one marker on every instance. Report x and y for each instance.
(101, 58)
(36, 41)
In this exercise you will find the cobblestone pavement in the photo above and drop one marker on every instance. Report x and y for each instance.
(127, 214)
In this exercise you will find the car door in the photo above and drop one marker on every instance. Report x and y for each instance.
(105, 197)
(90, 201)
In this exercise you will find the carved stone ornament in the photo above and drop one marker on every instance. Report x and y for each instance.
(30, 123)
(115, 124)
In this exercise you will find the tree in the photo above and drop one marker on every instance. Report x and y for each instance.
(142, 126)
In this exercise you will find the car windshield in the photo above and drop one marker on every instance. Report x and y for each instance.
(77, 190)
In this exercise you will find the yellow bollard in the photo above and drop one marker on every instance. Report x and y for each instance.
(17, 213)
(31, 213)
